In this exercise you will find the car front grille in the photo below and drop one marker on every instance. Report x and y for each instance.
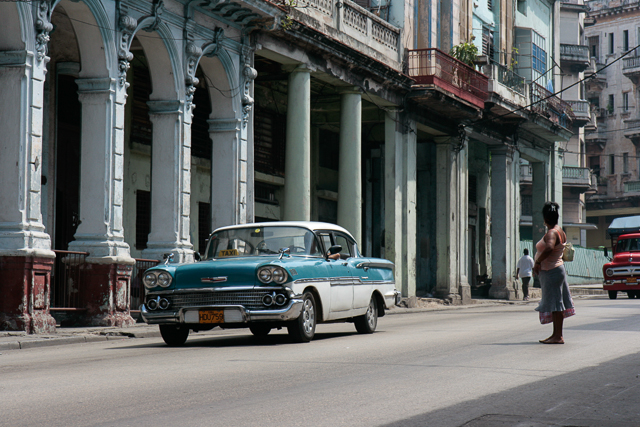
(248, 299)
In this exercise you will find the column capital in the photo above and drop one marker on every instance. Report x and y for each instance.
(505, 150)
(355, 90)
(298, 68)
(169, 106)
(86, 86)
(224, 125)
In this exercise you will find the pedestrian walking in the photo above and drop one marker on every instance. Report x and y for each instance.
(524, 270)
(556, 302)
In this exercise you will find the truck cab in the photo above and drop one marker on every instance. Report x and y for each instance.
(622, 273)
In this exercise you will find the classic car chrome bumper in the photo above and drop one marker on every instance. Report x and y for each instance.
(232, 314)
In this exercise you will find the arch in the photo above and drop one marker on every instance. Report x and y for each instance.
(167, 77)
(223, 84)
(95, 42)
(16, 26)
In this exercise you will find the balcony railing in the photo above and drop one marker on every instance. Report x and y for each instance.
(574, 52)
(581, 111)
(526, 174)
(576, 177)
(351, 22)
(631, 62)
(550, 106)
(632, 187)
(510, 79)
(432, 66)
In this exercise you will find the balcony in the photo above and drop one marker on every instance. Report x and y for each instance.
(550, 106)
(581, 110)
(434, 68)
(351, 25)
(576, 56)
(632, 130)
(631, 68)
(507, 92)
(576, 177)
(577, 6)
(526, 174)
(632, 187)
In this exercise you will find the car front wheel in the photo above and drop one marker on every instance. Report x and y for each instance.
(174, 335)
(367, 323)
(304, 327)
(613, 294)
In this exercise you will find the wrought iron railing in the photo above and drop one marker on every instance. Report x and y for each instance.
(66, 280)
(510, 79)
(432, 66)
(137, 287)
(548, 105)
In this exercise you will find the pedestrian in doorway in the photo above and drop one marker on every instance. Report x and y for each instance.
(556, 302)
(524, 270)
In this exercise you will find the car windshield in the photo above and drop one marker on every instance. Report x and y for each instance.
(262, 241)
(628, 245)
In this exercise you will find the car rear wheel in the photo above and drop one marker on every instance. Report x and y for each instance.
(613, 294)
(260, 331)
(304, 327)
(367, 323)
(631, 294)
(174, 335)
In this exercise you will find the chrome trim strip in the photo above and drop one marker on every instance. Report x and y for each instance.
(337, 281)
(375, 265)
(218, 289)
(213, 279)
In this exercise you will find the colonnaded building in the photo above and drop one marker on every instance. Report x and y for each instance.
(130, 129)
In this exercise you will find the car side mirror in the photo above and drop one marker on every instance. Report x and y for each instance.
(196, 256)
(606, 253)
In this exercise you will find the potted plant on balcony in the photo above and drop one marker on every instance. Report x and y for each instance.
(465, 52)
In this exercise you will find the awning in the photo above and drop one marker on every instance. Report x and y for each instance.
(581, 225)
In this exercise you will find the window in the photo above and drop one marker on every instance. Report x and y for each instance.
(594, 164)
(490, 5)
(594, 47)
(143, 218)
(625, 101)
(611, 46)
(346, 246)
(625, 40)
(612, 164)
(625, 162)
(539, 55)
(611, 104)
(522, 7)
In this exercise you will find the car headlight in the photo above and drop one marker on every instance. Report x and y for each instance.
(150, 279)
(270, 274)
(609, 272)
(155, 278)
(164, 279)
(278, 275)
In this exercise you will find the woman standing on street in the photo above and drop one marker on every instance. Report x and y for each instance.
(556, 302)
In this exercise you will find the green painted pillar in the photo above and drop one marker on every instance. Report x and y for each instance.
(297, 187)
(350, 165)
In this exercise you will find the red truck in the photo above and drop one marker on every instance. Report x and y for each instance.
(622, 273)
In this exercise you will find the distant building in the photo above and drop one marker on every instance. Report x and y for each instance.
(613, 143)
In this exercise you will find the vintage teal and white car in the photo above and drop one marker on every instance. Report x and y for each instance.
(270, 275)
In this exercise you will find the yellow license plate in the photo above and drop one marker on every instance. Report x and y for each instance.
(211, 316)
(632, 280)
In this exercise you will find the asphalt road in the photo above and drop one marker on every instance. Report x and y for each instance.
(472, 366)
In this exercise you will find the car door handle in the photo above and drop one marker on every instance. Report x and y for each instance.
(343, 263)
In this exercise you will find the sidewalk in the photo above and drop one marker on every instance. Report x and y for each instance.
(17, 340)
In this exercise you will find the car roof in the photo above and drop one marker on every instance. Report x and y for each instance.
(629, 236)
(311, 225)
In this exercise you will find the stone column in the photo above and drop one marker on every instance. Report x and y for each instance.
(452, 222)
(504, 246)
(224, 134)
(409, 196)
(105, 286)
(26, 258)
(297, 186)
(350, 163)
(170, 182)
(393, 187)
